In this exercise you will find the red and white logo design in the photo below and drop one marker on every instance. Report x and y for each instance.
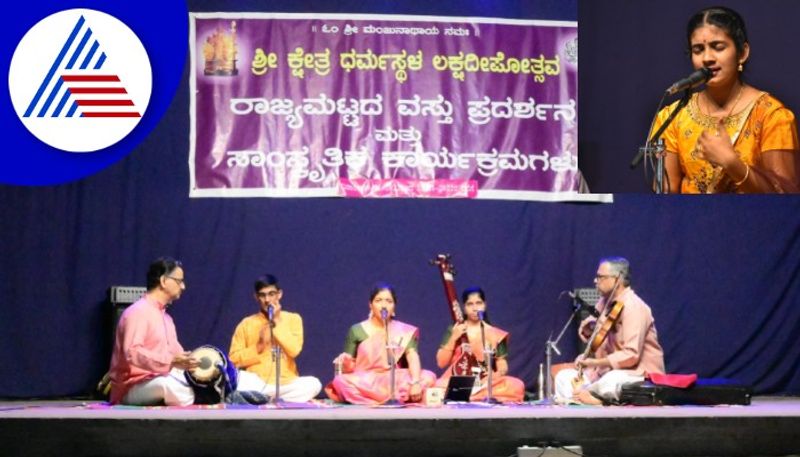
(80, 80)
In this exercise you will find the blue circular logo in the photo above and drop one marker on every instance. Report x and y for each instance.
(94, 80)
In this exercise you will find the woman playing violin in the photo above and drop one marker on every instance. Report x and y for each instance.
(630, 350)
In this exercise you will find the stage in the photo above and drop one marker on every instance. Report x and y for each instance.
(770, 426)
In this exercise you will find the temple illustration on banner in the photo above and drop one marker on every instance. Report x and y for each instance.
(220, 51)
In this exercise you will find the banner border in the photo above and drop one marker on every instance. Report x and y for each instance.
(194, 192)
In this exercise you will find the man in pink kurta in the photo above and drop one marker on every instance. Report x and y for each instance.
(630, 351)
(147, 362)
(632, 345)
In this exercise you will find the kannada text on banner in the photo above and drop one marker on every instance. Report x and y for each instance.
(382, 106)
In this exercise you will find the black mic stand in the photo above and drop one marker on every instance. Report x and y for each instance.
(488, 352)
(551, 346)
(654, 146)
(390, 359)
(276, 356)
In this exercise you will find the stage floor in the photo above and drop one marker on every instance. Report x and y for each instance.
(770, 426)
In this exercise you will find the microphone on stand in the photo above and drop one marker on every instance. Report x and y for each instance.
(652, 147)
(480, 316)
(693, 80)
(384, 315)
(580, 303)
(271, 313)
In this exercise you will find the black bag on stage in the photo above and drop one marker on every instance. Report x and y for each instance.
(702, 392)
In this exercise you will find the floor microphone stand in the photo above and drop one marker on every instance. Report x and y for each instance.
(654, 146)
(276, 357)
(392, 366)
(551, 346)
(488, 352)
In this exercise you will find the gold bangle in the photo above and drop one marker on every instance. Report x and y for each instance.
(746, 175)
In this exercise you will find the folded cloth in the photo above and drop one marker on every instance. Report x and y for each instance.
(681, 381)
(247, 397)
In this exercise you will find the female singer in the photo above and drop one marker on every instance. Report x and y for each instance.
(731, 137)
(366, 372)
(504, 388)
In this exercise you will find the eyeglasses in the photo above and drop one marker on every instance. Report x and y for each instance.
(599, 277)
(180, 281)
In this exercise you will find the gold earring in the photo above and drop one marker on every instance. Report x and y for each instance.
(741, 68)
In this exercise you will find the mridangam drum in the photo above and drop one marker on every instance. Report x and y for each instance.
(214, 378)
(211, 364)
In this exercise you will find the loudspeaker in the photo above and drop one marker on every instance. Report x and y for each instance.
(120, 297)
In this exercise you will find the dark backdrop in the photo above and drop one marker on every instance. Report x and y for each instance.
(632, 50)
(720, 273)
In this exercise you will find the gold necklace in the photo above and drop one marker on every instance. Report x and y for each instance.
(730, 112)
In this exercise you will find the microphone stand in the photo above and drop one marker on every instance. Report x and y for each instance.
(654, 146)
(551, 346)
(276, 356)
(488, 352)
(390, 359)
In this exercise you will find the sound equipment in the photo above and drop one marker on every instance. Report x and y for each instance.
(120, 298)
(549, 451)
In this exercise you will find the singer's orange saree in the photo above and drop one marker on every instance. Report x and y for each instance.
(504, 388)
(369, 383)
(764, 125)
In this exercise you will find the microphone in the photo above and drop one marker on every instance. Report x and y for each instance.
(270, 312)
(384, 314)
(695, 79)
(581, 304)
(480, 316)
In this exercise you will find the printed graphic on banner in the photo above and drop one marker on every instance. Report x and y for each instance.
(377, 106)
(80, 80)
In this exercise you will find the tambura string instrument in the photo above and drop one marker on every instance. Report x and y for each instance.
(467, 364)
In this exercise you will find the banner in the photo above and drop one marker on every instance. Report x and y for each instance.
(300, 105)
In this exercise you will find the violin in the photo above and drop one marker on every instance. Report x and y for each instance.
(466, 361)
(610, 316)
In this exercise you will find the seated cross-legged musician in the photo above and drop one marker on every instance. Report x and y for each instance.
(366, 371)
(630, 350)
(148, 363)
(251, 345)
(504, 388)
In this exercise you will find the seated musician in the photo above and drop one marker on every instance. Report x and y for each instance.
(450, 354)
(630, 350)
(366, 373)
(148, 362)
(251, 345)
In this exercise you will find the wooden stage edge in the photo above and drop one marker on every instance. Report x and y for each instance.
(770, 426)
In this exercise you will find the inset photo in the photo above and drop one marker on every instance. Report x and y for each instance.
(689, 97)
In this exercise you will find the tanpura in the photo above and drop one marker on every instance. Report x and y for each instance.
(467, 364)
